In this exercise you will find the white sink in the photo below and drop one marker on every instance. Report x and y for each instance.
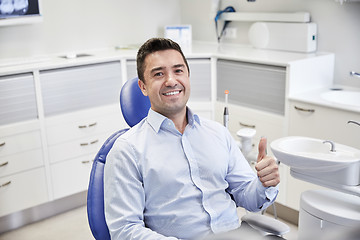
(343, 97)
(312, 158)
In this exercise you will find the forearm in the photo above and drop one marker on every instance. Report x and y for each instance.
(254, 197)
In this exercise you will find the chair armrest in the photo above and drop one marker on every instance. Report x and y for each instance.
(266, 224)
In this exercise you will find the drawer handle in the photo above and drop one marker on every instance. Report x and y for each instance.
(92, 142)
(93, 124)
(5, 184)
(304, 109)
(86, 126)
(87, 161)
(4, 164)
(247, 125)
(2, 144)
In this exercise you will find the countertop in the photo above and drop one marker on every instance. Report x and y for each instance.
(198, 50)
(315, 97)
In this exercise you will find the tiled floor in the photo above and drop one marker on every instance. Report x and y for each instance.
(74, 225)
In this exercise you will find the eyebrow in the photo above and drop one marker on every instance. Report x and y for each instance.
(161, 68)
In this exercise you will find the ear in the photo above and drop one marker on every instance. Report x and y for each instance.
(142, 87)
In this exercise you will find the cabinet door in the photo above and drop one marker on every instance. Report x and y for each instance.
(200, 80)
(318, 122)
(131, 69)
(22, 190)
(17, 98)
(256, 86)
(71, 176)
(325, 123)
(77, 88)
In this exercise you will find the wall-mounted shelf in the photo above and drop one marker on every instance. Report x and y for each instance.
(302, 17)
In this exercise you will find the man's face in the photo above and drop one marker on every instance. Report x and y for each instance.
(166, 82)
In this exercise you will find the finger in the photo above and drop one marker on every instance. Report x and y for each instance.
(271, 183)
(266, 166)
(262, 149)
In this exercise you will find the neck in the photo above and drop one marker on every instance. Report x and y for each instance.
(180, 120)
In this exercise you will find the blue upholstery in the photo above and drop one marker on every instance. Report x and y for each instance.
(134, 106)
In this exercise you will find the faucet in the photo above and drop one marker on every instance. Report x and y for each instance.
(354, 74)
(332, 145)
(354, 122)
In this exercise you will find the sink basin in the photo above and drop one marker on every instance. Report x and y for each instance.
(343, 97)
(312, 157)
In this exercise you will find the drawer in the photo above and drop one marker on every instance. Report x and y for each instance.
(71, 176)
(19, 143)
(22, 161)
(23, 190)
(77, 148)
(85, 127)
(266, 124)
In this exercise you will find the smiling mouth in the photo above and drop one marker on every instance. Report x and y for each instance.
(172, 93)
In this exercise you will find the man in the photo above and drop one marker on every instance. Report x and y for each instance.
(174, 175)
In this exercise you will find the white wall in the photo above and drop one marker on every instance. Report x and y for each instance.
(338, 27)
(87, 24)
(76, 25)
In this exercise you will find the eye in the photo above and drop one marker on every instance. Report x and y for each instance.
(158, 74)
(179, 70)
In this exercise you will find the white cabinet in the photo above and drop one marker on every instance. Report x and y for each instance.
(326, 123)
(321, 122)
(22, 190)
(81, 111)
(17, 98)
(22, 172)
(77, 88)
(256, 100)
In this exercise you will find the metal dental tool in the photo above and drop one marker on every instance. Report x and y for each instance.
(226, 110)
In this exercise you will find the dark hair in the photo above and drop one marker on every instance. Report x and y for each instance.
(154, 45)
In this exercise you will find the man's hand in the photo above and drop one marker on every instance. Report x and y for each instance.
(266, 167)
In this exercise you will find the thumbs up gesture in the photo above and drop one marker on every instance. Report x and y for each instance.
(266, 166)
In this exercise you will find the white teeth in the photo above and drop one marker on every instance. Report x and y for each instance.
(171, 93)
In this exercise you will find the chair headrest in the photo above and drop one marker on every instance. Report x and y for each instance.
(134, 105)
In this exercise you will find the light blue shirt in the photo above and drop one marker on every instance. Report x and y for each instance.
(161, 184)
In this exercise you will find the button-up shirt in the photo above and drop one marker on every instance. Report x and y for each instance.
(161, 184)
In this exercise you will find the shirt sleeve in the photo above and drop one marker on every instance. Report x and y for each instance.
(124, 197)
(244, 185)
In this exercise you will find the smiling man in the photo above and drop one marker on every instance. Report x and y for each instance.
(175, 175)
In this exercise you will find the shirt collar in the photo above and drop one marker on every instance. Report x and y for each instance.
(156, 119)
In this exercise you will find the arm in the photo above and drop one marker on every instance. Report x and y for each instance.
(249, 191)
(124, 196)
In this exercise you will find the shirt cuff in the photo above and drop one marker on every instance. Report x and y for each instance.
(269, 194)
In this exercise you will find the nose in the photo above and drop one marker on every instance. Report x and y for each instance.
(170, 80)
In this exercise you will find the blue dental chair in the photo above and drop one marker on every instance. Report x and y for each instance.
(134, 106)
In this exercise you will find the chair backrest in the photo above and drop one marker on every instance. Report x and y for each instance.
(134, 106)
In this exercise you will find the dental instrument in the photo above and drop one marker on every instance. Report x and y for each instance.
(226, 110)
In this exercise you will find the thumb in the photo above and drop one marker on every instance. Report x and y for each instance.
(262, 149)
